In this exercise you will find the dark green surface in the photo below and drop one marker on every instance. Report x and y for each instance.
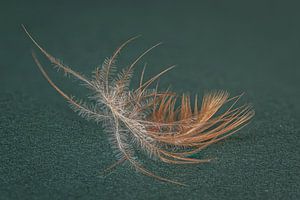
(48, 152)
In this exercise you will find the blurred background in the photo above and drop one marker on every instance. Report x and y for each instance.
(48, 152)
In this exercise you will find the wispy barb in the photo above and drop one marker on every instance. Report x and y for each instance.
(150, 119)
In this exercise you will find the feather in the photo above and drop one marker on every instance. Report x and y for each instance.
(149, 119)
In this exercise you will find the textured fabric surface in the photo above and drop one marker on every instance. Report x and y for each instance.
(48, 152)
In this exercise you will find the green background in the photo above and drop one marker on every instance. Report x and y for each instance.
(48, 152)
